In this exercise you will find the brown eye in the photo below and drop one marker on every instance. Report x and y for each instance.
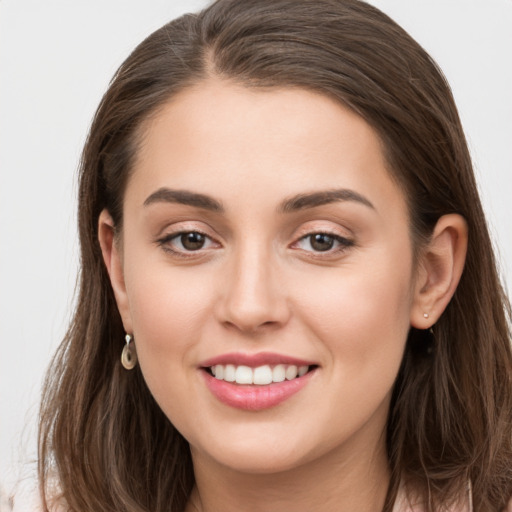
(184, 243)
(192, 241)
(321, 242)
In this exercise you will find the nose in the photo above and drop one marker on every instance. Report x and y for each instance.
(252, 296)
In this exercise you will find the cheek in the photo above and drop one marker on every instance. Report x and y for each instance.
(168, 308)
(168, 313)
(361, 315)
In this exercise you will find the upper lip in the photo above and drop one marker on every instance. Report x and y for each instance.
(255, 360)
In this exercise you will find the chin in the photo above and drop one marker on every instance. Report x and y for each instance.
(261, 450)
(257, 460)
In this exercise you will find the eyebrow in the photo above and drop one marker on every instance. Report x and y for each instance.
(167, 195)
(295, 203)
(313, 199)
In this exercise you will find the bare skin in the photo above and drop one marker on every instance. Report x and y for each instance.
(266, 222)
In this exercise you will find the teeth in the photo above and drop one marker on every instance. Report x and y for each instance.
(243, 375)
(262, 375)
(219, 372)
(279, 373)
(229, 373)
(291, 372)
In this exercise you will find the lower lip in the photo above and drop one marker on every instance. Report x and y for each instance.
(253, 397)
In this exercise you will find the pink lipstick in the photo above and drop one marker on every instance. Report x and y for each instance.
(255, 381)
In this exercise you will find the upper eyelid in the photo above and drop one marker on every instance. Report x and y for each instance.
(186, 226)
(305, 229)
(333, 230)
(178, 233)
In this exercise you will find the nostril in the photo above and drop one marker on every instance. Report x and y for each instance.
(252, 328)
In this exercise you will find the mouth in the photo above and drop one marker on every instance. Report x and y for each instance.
(256, 382)
(261, 375)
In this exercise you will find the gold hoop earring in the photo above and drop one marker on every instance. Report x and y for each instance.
(128, 356)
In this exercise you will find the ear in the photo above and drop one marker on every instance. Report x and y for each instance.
(112, 256)
(439, 269)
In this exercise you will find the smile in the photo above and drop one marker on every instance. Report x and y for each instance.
(261, 376)
(256, 382)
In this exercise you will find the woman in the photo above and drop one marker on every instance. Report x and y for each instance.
(279, 221)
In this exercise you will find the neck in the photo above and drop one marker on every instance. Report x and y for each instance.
(339, 481)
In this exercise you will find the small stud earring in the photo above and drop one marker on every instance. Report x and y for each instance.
(425, 315)
(128, 356)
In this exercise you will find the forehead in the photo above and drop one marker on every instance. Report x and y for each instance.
(218, 138)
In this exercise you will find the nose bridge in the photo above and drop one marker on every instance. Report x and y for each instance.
(253, 297)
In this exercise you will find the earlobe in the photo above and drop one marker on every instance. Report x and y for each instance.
(439, 270)
(112, 258)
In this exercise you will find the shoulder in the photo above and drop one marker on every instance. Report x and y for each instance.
(408, 502)
(405, 502)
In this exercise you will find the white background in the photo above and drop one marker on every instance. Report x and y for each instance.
(56, 59)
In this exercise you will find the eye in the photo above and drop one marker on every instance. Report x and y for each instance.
(186, 241)
(323, 242)
(192, 241)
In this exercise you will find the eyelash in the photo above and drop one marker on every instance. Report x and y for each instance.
(166, 243)
(343, 243)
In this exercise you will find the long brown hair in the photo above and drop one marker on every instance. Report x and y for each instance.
(103, 438)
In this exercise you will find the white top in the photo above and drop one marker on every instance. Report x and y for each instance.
(404, 504)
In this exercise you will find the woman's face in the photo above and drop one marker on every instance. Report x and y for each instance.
(264, 237)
